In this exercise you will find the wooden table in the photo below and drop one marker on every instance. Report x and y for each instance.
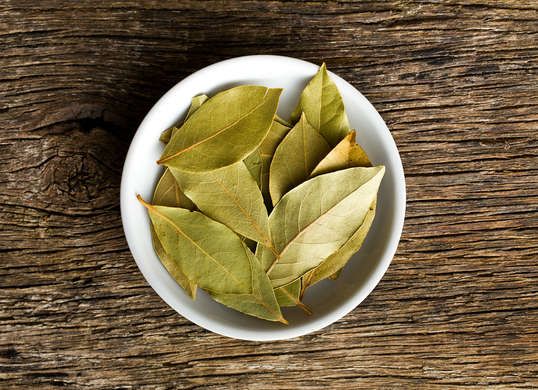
(457, 85)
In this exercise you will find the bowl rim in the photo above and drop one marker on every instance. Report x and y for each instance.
(340, 311)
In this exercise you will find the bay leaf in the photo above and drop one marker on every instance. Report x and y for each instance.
(167, 134)
(208, 252)
(282, 121)
(196, 102)
(346, 154)
(224, 130)
(214, 257)
(323, 106)
(253, 162)
(173, 267)
(260, 302)
(295, 158)
(289, 295)
(334, 263)
(228, 195)
(312, 221)
(259, 162)
(168, 193)
(335, 275)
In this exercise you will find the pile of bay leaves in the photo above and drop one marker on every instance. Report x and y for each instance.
(254, 209)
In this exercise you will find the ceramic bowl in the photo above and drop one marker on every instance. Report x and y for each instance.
(330, 300)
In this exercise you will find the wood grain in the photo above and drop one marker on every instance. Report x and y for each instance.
(457, 84)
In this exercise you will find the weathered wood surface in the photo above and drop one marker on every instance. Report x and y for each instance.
(457, 84)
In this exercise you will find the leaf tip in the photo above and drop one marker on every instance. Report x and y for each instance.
(192, 293)
(283, 320)
(352, 136)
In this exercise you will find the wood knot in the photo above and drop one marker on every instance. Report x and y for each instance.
(9, 353)
(85, 170)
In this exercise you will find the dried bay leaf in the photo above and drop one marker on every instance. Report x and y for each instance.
(261, 302)
(253, 162)
(323, 106)
(173, 267)
(295, 158)
(198, 243)
(215, 258)
(224, 130)
(334, 263)
(346, 154)
(168, 193)
(228, 195)
(259, 162)
(196, 102)
(312, 221)
(288, 296)
(335, 275)
(282, 121)
(167, 134)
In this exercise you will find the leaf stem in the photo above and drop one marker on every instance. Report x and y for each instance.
(143, 202)
(304, 308)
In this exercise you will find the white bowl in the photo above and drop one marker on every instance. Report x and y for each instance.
(330, 300)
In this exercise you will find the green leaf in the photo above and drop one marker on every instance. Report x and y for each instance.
(215, 258)
(295, 158)
(168, 193)
(196, 102)
(228, 195)
(224, 130)
(312, 221)
(259, 162)
(323, 106)
(261, 302)
(346, 154)
(334, 263)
